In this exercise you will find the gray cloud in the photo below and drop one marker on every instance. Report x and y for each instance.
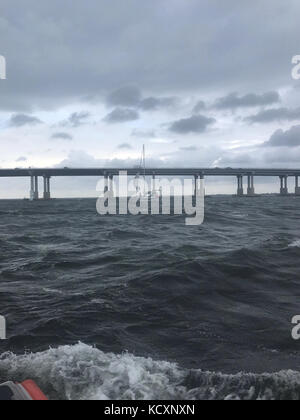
(125, 146)
(148, 134)
(276, 114)
(200, 106)
(194, 124)
(62, 136)
(78, 118)
(275, 158)
(127, 96)
(289, 138)
(189, 149)
(152, 103)
(121, 115)
(20, 120)
(21, 159)
(233, 101)
(131, 96)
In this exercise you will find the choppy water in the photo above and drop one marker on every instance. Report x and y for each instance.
(164, 310)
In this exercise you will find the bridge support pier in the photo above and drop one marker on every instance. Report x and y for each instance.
(153, 185)
(196, 185)
(34, 188)
(250, 190)
(111, 185)
(36, 185)
(31, 188)
(284, 185)
(297, 188)
(198, 179)
(240, 190)
(105, 183)
(47, 195)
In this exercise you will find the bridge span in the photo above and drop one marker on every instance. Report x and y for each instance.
(109, 173)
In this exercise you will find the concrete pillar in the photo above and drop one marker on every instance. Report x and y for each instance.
(48, 187)
(153, 185)
(202, 177)
(32, 188)
(240, 191)
(196, 184)
(105, 183)
(111, 185)
(36, 188)
(47, 194)
(250, 190)
(198, 178)
(284, 185)
(297, 188)
(45, 188)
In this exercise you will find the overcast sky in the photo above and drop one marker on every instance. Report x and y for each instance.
(199, 82)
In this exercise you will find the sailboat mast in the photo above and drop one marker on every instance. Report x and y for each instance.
(144, 160)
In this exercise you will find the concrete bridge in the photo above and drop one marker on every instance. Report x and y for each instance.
(110, 173)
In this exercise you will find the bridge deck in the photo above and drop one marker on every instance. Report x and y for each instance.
(64, 172)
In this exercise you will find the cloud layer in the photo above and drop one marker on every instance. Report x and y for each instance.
(195, 46)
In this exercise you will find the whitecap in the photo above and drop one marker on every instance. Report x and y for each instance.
(82, 372)
(295, 244)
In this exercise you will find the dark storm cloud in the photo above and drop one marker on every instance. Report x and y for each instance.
(289, 138)
(194, 124)
(20, 120)
(62, 136)
(58, 52)
(121, 115)
(233, 101)
(276, 114)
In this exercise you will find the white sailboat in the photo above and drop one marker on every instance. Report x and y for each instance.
(144, 194)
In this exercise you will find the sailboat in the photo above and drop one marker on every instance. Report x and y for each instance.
(144, 195)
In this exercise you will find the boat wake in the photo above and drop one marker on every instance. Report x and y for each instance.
(86, 373)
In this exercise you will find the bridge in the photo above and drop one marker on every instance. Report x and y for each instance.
(109, 173)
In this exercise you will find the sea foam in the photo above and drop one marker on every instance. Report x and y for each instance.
(295, 244)
(82, 372)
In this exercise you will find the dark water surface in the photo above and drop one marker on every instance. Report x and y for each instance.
(145, 307)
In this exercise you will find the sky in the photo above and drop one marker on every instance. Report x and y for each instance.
(200, 83)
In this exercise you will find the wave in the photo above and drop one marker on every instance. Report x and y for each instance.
(295, 244)
(82, 372)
